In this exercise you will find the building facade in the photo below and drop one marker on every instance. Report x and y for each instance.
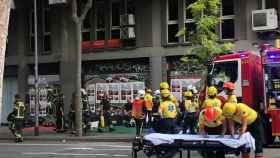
(153, 52)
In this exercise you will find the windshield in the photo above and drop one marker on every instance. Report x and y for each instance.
(272, 79)
(223, 72)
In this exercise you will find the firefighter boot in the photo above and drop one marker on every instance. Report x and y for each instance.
(245, 155)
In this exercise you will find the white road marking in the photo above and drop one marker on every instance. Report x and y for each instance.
(72, 154)
(86, 144)
(100, 149)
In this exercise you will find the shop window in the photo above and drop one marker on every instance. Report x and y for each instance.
(173, 25)
(227, 20)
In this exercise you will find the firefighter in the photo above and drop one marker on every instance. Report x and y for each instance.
(19, 109)
(229, 90)
(211, 122)
(138, 106)
(212, 100)
(249, 120)
(190, 108)
(168, 112)
(165, 85)
(149, 107)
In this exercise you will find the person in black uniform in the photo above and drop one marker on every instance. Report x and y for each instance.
(19, 109)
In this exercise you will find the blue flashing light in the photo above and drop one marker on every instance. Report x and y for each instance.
(272, 56)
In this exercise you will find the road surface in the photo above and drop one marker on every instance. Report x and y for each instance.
(81, 150)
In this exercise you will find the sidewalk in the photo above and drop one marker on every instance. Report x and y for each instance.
(48, 134)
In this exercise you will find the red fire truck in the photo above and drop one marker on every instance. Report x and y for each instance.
(257, 82)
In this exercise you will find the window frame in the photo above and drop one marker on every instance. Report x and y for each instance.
(115, 27)
(226, 17)
(46, 33)
(171, 22)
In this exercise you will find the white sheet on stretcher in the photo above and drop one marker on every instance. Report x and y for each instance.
(245, 139)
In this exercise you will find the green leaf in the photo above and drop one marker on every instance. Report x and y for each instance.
(182, 32)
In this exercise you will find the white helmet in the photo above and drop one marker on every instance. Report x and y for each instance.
(157, 92)
(83, 91)
(141, 93)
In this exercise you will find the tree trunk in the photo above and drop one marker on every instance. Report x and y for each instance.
(4, 25)
(78, 102)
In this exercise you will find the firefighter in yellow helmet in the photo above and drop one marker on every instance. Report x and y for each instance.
(190, 109)
(168, 112)
(148, 102)
(249, 120)
(165, 85)
(19, 110)
(212, 100)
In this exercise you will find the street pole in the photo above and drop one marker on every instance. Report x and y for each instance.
(36, 128)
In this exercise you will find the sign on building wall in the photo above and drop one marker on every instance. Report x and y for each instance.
(118, 92)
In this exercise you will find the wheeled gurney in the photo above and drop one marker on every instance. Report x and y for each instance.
(157, 144)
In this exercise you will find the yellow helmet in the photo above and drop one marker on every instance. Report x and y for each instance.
(164, 85)
(229, 109)
(188, 94)
(212, 91)
(165, 92)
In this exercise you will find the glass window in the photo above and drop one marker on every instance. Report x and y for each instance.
(47, 20)
(86, 36)
(188, 12)
(227, 22)
(227, 7)
(228, 29)
(100, 35)
(130, 7)
(190, 27)
(47, 43)
(115, 34)
(173, 10)
(224, 72)
(87, 21)
(172, 31)
(100, 16)
(115, 14)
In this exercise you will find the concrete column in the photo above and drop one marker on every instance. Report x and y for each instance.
(156, 22)
(156, 71)
(250, 6)
(240, 24)
(21, 49)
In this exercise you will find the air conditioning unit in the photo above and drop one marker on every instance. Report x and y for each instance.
(57, 1)
(127, 19)
(265, 19)
(127, 33)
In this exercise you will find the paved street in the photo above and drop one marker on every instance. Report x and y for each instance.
(81, 150)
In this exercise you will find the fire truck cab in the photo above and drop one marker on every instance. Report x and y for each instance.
(243, 68)
(257, 83)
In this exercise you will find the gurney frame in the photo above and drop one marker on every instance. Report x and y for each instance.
(180, 145)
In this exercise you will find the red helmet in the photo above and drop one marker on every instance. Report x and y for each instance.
(210, 114)
(229, 85)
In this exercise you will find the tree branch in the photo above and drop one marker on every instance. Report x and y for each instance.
(74, 11)
(85, 10)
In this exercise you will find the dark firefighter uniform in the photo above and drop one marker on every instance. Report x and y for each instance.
(19, 109)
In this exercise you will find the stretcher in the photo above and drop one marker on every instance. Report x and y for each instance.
(158, 144)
